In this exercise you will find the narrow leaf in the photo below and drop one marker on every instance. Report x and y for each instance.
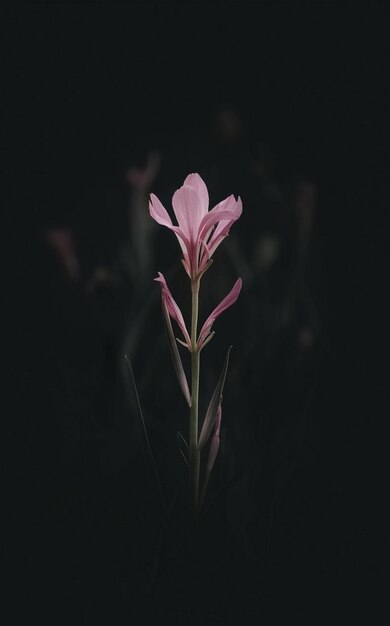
(177, 364)
(215, 441)
(183, 446)
(145, 439)
(181, 439)
(215, 401)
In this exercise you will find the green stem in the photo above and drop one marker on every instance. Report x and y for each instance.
(194, 456)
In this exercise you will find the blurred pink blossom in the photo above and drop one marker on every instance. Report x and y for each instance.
(62, 242)
(142, 179)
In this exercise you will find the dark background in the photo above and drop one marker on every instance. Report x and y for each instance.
(88, 91)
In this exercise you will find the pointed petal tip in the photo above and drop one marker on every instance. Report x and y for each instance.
(194, 178)
(196, 182)
(235, 292)
(158, 212)
(160, 278)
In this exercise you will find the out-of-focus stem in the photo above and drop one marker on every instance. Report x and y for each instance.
(194, 453)
(204, 489)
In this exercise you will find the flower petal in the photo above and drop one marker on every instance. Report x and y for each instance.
(229, 209)
(196, 182)
(184, 245)
(219, 234)
(187, 207)
(227, 302)
(172, 307)
(215, 236)
(161, 216)
(224, 225)
(158, 212)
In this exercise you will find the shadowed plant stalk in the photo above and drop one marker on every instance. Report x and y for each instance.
(194, 452)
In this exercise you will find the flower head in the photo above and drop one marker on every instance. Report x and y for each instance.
(199, 231)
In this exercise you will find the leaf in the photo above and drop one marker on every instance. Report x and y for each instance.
(215, 401)
(183, 446)
(177, 364)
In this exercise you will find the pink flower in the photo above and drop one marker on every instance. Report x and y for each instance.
(173, 308)
(142, 178)
(199, 230)
(227, 302)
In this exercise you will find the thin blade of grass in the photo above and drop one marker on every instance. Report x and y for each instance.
(145, 439)
(183, 445)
